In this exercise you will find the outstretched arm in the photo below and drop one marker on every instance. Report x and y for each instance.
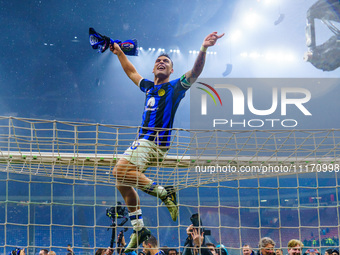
(128, 67)
(197, 69)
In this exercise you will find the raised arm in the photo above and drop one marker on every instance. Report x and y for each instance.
(197, 69)
(128, 67)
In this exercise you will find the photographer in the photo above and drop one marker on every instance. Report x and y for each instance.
(121, 243)
(195, 243)
(312, 252)
(120, 247)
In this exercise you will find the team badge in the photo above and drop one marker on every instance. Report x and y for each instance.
(161, 92)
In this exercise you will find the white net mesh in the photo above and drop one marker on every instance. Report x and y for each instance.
(56, 182)
(89, 152)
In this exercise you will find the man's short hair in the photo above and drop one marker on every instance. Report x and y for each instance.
(294, 242)
(211, 244)
(265, 241)
(165, 249)
(173, 250)
(100, 251)
(167, 56)
(336, 251)
(329, 251)
(44, 250)
(152, 241)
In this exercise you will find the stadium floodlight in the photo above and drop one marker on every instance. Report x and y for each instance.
(251, 20)
(236, 35)
(244, 54)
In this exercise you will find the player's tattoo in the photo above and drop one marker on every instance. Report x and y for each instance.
(198, 66)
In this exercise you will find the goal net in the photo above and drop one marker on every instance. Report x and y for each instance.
(56, 183)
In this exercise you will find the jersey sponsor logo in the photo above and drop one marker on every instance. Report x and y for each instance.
(161, 92)
(150, 104)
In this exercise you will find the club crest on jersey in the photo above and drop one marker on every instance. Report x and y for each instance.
(161, 92)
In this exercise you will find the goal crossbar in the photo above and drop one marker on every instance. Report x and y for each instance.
(89, 152)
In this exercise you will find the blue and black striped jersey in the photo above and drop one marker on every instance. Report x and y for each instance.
(160, 107)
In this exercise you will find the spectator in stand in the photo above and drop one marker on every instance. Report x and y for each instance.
(51, 253)
(294, 247)
(121, 244)
(247, 250)
(150, 246)
(266, 246)
(279, 252)
(43, 252)
(315, 242)
(329, 242)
